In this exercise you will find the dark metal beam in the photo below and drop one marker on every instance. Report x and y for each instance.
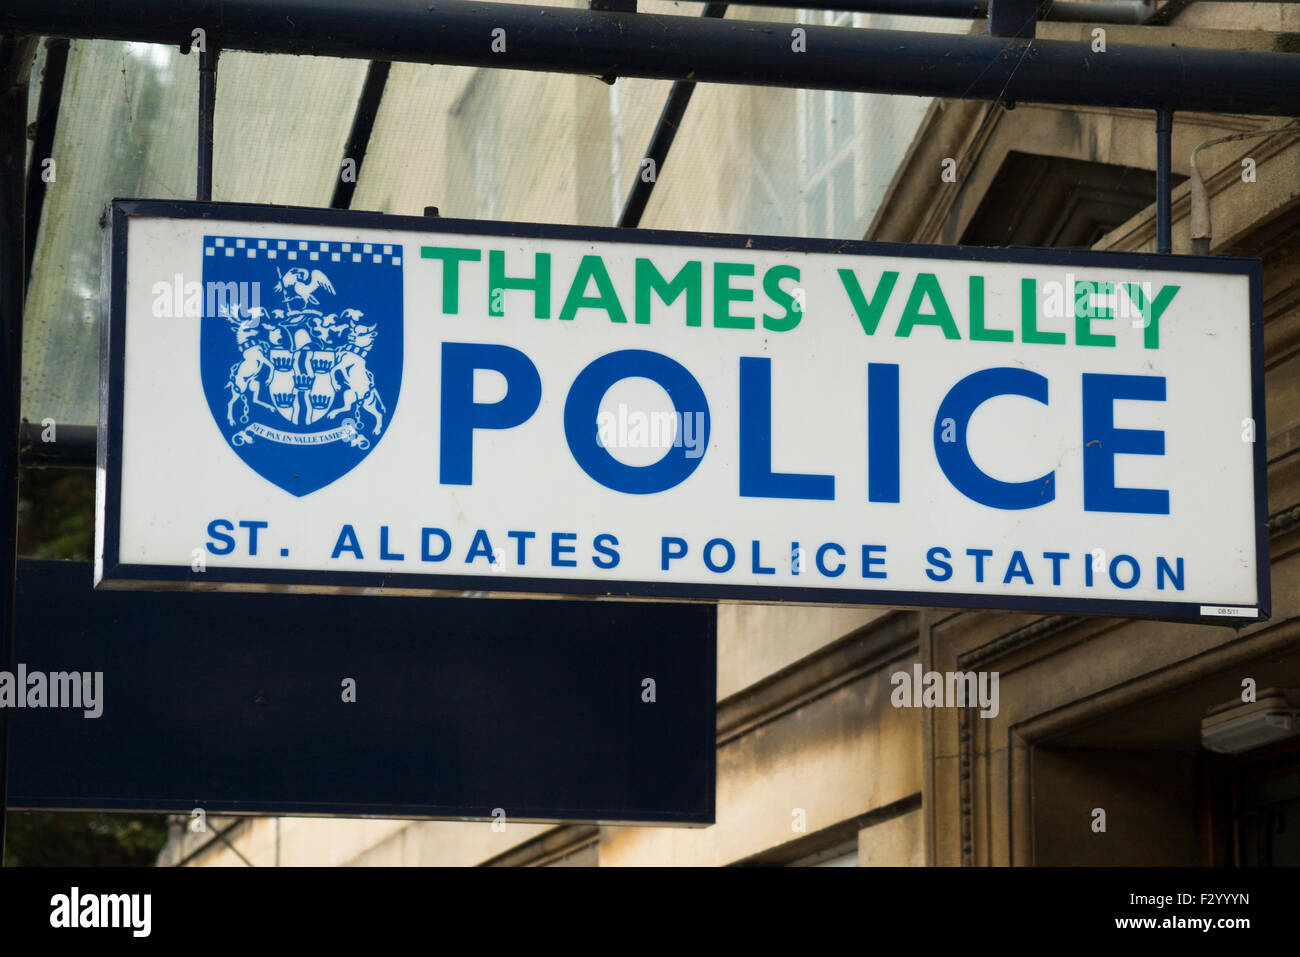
(1076, 11)
(69, 446)
(591, 43)
(363, 124)
(16, 54)
(1164, 199)
(207, 115)
(47, 122)
(1117, 11)
(661, 140)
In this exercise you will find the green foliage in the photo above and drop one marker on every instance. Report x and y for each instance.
(45, 839)
(56, 513)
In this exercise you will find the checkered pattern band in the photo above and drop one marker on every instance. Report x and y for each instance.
(301, 251)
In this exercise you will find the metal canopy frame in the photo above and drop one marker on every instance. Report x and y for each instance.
(611, 40)
(703, 49)
(1009, 65)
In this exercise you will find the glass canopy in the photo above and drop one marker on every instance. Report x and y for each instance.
(477, 143)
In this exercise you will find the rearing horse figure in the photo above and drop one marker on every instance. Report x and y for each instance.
(252, 335)
(350, 372)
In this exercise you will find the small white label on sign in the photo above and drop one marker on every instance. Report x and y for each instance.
(1225, 612)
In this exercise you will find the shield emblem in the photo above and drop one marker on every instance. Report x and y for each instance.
(300, 353)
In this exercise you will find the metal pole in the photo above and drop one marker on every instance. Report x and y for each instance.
(1164, 131)
(16, 54)
(656, 153)
(47, 120)
(75, 448)
(1077, 11)
(363, 124)
(661, 140)
(592, 43)
(207, 110)
(1200, 201)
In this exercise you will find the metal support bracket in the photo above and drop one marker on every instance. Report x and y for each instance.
(1164, 131)
(1015, 18)
(661, 140)
(208, 57)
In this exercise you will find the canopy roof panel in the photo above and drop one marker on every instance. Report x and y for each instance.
(117, 135)
(127, 127)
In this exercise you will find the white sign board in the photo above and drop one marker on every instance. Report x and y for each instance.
(330, 400)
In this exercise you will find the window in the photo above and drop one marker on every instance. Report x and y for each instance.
(828, 122)
(1063, 203)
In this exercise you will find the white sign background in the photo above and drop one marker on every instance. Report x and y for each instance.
(178, 473)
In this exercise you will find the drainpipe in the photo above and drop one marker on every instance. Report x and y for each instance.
(1200, 224)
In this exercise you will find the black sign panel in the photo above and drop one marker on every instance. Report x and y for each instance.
(236, 703)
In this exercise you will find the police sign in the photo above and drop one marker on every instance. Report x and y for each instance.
(328, 400)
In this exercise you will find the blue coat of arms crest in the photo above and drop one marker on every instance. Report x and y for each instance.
(301, 352)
